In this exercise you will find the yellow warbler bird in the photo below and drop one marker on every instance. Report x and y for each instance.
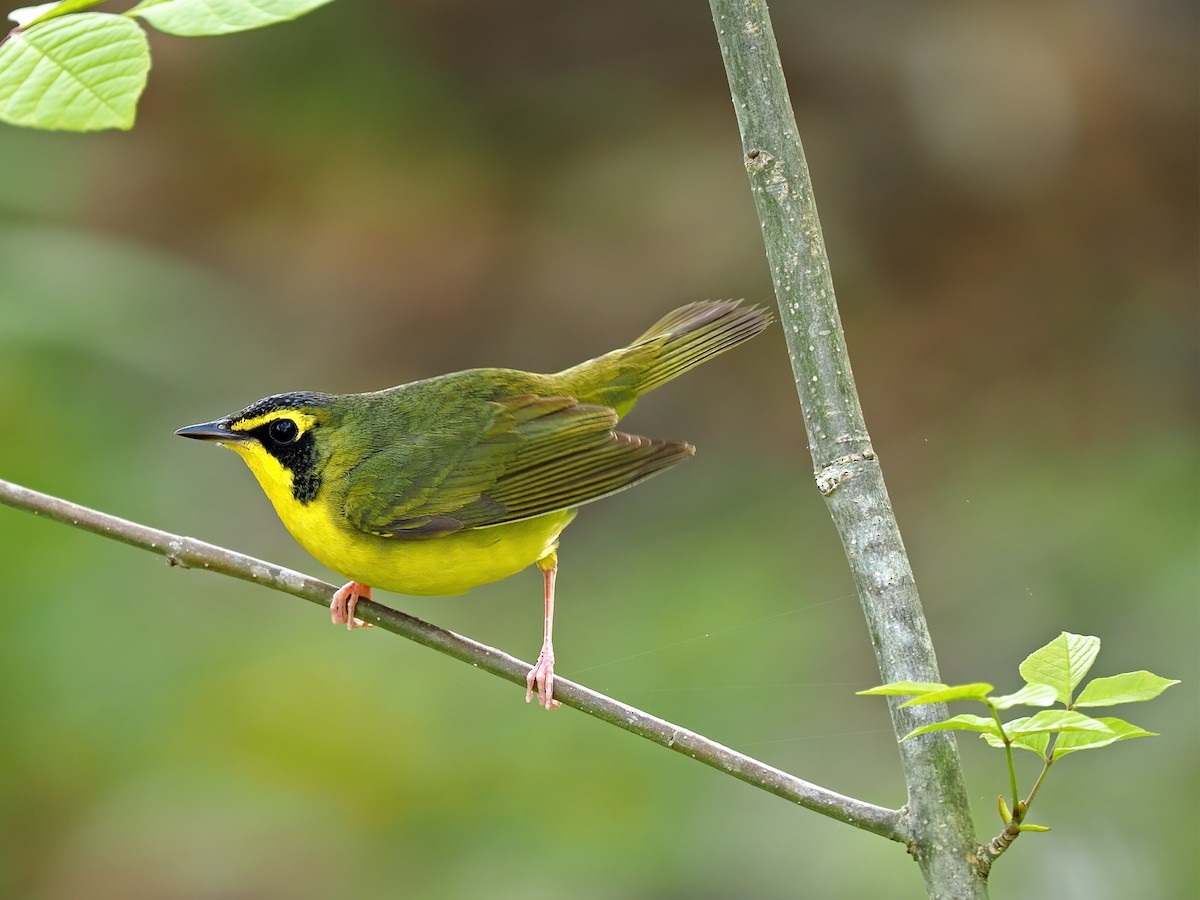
(443, 484)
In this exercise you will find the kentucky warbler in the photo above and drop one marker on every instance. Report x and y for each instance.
(440, 485)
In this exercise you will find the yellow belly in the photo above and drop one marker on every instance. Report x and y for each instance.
(444, 565)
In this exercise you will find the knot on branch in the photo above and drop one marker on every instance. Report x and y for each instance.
(831, 476)
(757, 160)
(770, 172)
(984, 856)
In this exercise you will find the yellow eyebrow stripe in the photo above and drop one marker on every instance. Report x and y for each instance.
(303, 421)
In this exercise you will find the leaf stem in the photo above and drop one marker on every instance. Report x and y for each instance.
(1048, 760)
(991, 851)
(1012, 769)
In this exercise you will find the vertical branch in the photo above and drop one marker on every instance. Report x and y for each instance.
(847, 470)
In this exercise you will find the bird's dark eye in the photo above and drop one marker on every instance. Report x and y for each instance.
(283, 431)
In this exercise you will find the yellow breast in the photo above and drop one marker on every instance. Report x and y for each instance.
(434, 566)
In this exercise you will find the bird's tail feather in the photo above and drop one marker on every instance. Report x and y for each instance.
(695, 333)
(679, 341)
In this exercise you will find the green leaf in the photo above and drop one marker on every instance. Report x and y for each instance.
(1119, 729)
(1030, 695)
(27, 15)
(1062, 663)
(82, 72)
(903, 688)
(1034, 743)
(1055, 720)
(1028, 826)
(195, 18)
(32, 15)
(1130, 687)
(961, 722)
(977, 691)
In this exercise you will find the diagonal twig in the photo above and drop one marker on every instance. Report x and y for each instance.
(190, 553)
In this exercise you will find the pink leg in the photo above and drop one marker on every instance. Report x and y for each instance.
(341, 608)
(542, 674)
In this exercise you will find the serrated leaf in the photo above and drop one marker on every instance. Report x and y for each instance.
(1030, 695)
(1034, 743)
(195, 18)
(31, 15)
(902, 688)
(1119, 729)
(1129, 687)
(961, 722)
(977, 691)
(82, 72)
(1050, 720)
(1062, 663)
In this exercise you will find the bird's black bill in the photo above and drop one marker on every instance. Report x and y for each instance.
(212, 431)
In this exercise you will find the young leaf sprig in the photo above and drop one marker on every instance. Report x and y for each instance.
(1051, 673)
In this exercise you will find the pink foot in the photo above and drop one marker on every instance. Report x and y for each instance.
(341, 608)
(542, 675)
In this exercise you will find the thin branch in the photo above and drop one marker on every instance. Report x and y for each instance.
(845, 465)
(188, 552)
(993, 849)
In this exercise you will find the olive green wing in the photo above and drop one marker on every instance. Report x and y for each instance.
(526, 456)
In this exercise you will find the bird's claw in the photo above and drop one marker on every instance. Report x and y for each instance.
(341, 607)
(541, 676)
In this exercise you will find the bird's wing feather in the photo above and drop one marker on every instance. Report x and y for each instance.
(527, 456)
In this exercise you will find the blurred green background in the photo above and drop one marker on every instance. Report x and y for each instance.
(385, 191)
